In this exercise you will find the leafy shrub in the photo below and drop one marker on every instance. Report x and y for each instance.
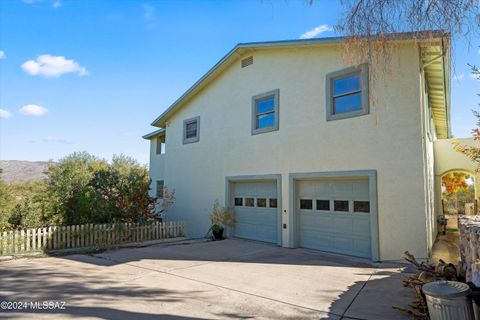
(221, 217)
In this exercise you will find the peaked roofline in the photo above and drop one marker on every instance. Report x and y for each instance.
(402, 36)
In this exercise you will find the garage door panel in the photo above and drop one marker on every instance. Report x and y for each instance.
(340, 232)
(252, 189)
(343, 188)
(361, 225)
(314, 240)
(312, 220)
(327, 189)
(256, 223)
(360, 190)
(362, 246)
(343, 244)
(306, 189)
(343, 224)
(255, 232)
(256, 216)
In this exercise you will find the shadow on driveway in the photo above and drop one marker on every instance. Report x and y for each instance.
(231, 279)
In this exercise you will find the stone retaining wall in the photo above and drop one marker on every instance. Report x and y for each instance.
(469, 227)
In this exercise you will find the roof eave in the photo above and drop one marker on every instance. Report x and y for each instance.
(159, 132)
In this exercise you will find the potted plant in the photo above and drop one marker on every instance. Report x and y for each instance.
(220, 218)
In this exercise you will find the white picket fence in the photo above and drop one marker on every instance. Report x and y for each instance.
(85, 236)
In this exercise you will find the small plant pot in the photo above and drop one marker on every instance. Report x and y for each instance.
(217, 234)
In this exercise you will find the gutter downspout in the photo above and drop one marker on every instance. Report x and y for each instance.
(447, 94)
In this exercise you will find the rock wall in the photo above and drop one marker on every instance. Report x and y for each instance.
(469, 227)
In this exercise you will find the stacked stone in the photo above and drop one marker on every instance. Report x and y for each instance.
(469, 227)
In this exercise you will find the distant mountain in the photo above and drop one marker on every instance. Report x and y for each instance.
(15, 171)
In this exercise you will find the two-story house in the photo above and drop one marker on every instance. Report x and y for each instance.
(310, 151)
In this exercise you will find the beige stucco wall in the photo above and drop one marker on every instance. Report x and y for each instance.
(388, 140)
(157, 166)
(447, 159)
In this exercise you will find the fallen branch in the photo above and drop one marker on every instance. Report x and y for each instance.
(425, 273)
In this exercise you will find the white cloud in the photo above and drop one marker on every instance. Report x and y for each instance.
(56, 140)
(32, 110)
(4, 114)
(316, 31)
(53, 66)
(2, 55)
(56, 4)
(458, 77)
(475, 76)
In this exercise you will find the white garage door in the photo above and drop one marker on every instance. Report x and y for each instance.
(255, 206)
(334, 215)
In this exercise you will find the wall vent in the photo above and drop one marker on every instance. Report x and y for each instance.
(247, 61)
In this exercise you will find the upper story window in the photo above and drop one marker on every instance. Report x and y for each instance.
(160, 146)
(265, 112)
(347, 93)
(191, 130)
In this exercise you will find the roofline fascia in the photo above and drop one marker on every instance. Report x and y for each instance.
(446, 81)
(155, 133)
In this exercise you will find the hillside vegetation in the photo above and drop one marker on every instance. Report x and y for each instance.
(79, 189)
(15, 171)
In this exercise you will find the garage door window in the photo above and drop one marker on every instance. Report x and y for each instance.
(273, 202)
(306, 204)
(261, 202)
(361, 206)
(249, 202)
(341, 205)
(323, 205)
(238, 202)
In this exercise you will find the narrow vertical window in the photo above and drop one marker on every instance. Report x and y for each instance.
(160, 147)
(265, 112)
(160, 184)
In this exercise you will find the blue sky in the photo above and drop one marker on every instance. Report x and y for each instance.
(92, 75)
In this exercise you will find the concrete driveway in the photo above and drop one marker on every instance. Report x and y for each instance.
(230, 279)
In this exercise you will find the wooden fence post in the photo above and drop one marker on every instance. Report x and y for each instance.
(5, 240)
(28, 240)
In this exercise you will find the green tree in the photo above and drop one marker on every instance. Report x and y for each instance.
(27, 214)
(82, 188)
(7, 202)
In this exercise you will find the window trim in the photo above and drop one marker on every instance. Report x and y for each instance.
(276, 98)
(197, 137)
(330, 77)
(158, 146)
(160, 196)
